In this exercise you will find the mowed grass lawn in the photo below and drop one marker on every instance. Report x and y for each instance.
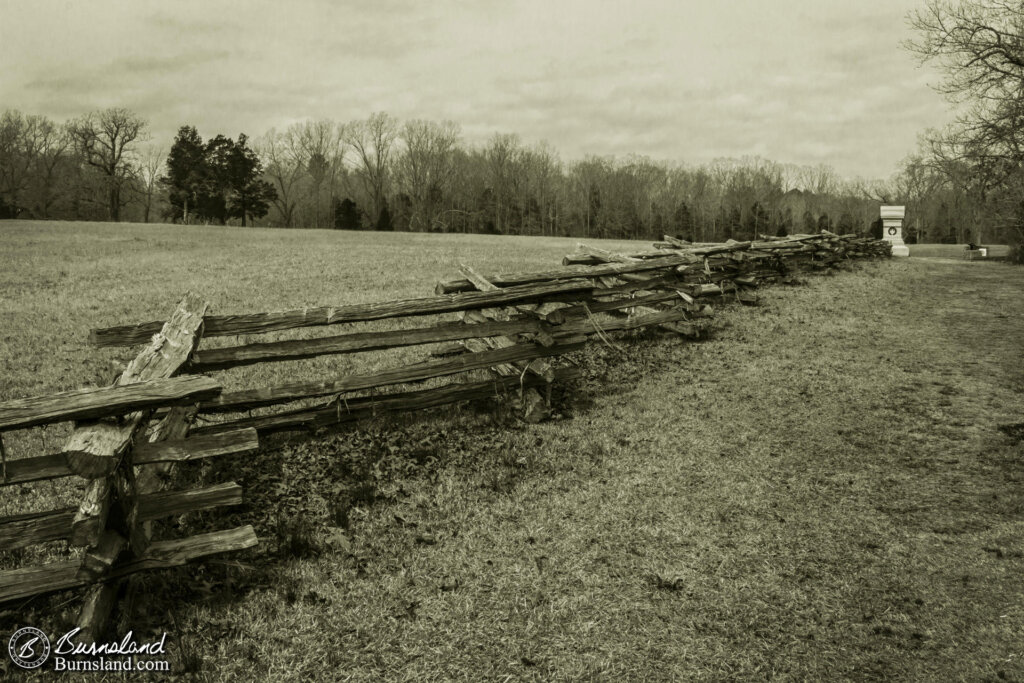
(820, 491)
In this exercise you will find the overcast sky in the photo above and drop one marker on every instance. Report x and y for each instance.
(801, 81)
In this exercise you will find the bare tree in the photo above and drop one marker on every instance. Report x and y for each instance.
(821, 179)
(151, 165)
(16, 157)
(425, 168)
(283, 157)
(503, 155)
(105, 140)
(32, 152)
(322, 155)
(543, 169)
(51, 154)
(372, 141)
(979, 46)
(586, 179)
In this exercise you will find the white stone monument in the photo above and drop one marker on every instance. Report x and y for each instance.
(892, 229)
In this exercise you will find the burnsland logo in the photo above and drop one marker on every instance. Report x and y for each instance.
(29, 647)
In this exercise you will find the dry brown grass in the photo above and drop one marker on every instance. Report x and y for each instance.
(819, 492)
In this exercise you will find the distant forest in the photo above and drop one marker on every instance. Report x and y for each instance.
(382, 174)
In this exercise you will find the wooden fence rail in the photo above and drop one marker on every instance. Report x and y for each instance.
(91, 404)
(261, 323)
(164, 409)
(113, 521)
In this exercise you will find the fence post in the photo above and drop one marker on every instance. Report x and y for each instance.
(100, 444)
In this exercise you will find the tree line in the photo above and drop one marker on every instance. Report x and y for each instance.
(383, 174)
(380, 174)
(420, 176)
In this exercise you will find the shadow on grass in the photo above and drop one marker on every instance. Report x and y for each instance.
(305, 494)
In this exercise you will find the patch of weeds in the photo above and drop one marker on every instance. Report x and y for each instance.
(363, 494)
(296, 537)
(500, 480)
(187, 658)
(596, 451)
(339, 510)
(1014, 431)
(425, 454)
(672, 583)
(315, 599)
(512, 459)
(500, 410)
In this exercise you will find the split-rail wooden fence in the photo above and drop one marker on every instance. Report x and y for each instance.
(513, 326)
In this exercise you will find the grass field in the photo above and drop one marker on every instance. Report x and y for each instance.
(820, 491)
(955, 251)
(58, 280)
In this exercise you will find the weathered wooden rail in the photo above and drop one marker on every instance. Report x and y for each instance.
(261, 323)
(166, 409)
(115, 448)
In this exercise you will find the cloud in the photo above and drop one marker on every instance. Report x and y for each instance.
(181, 25)
(135, 67)
(802, 81)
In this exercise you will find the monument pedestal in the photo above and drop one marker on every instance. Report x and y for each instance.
(892, 229)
